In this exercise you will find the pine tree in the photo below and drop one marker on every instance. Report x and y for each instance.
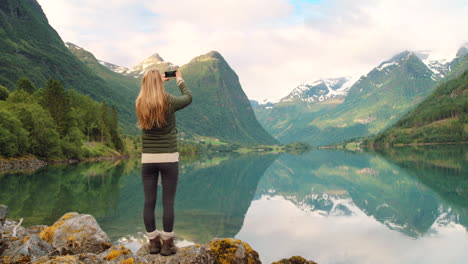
(103, 120)
(25, 84)
(114, 129)
(4, 93)
(57, 102)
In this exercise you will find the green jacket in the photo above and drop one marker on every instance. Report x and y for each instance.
(164, 139)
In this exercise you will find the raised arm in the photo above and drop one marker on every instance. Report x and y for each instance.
(179, 102)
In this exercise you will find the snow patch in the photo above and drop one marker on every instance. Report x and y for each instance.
(386, 65)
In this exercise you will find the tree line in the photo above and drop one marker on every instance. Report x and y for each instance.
(54, 123)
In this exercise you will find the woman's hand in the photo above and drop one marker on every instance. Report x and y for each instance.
(178, 73)
(164, 78)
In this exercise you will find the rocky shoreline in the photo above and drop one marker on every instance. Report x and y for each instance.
(31, 163)
(77, 238)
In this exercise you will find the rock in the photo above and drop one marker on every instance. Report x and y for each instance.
(232, 251)
(76, 233)
(36, 229)
(78, 239)
(19, 164)
(218, 250)
(82, 258)
(190, 255)
(120, 254)
(26, 248)
(3, 213)
(13, 228)
(10, 232)
(295, 260)
(113, 255)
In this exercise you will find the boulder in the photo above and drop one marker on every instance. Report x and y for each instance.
(82, 258)
(294, 260)
(189, 255)
(218, 250)
(36, 229)
(10, 232)
(113, 255)
(13, 228)
(28, 248)
(120, 254)
(76, 233)
(3, 213)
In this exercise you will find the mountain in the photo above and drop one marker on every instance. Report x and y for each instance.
(30, 47)
(124, 86)
(320, 90)
(289, 115)
(439, 65)
(460, 63)
(113, 67)
(441, 117)
(153, 62)
(376, 101)
(220, 107)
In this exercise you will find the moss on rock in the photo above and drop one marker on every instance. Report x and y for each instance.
(228, 250)
(295, 260)
(48, 233)
(115, 253)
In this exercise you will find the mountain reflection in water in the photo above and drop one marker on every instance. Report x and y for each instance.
(401, 205)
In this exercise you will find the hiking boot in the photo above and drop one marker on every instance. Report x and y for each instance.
(168, 245)
(155, 242)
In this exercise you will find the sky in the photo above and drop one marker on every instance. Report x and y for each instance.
(272, 45)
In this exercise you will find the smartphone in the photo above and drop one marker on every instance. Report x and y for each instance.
(168, 74)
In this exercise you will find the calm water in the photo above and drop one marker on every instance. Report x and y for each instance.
(407, 205)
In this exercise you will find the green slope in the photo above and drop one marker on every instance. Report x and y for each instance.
(124, 85)
(220, 107)
(441, 117)
(30, 47)
(460, 63)
(287, 121)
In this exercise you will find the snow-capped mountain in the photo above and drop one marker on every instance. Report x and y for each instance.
(462, 51)
(320, 90)
(153, 62)
(113, 67)
(439, 64)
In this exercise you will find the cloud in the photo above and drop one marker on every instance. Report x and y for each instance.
(273, 45)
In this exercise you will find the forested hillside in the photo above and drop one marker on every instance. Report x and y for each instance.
(441, 117)
(54, 123)
(30, 47)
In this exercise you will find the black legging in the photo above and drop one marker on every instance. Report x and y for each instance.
(169, 176)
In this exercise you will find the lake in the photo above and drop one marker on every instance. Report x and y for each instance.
(400, 205)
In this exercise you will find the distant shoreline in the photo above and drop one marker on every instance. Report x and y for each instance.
(395, 145)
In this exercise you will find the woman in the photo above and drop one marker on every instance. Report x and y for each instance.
(156, 117)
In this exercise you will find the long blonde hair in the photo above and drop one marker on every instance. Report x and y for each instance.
(151, 103)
